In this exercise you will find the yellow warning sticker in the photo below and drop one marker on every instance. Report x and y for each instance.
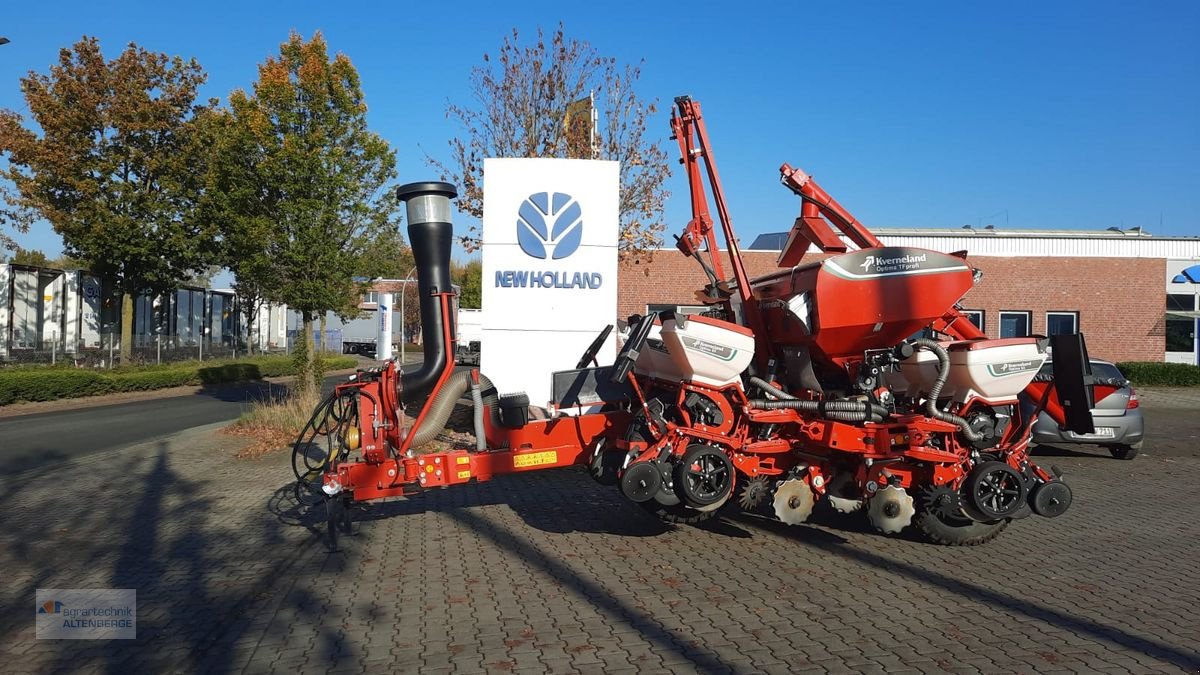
(463, 475)
(536, 459)
(462, 460)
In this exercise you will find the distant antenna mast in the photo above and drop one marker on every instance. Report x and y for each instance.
(595, 122)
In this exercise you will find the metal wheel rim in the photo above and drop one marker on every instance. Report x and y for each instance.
(998, 491)
(710, 480)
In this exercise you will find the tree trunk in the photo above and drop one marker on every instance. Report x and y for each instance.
(321, 341)
(127, 303)
(305, 379)
(254, 327)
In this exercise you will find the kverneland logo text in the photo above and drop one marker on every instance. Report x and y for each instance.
(882, 264)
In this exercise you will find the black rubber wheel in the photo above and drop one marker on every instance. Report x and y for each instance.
(678, 514)
(994, 491)
(704, 476)
(1125, 452)
(957, 532)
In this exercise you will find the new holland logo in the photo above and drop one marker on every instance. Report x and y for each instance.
(549, 225)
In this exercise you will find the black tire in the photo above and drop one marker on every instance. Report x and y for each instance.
(1125, 452)
(957, 532)
(714, 483)
(678, 514)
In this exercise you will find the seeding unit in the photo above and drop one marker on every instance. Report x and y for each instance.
(853, 378)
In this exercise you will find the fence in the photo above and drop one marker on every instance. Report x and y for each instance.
(146, 349)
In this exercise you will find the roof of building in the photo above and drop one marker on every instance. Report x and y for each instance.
(1111, 243)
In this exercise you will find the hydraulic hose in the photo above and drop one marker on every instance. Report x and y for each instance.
(770, 388)
(843, 411)
(443, 406)
(477, 415)
(943, 358)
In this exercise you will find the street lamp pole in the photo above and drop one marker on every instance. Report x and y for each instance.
(403, 323)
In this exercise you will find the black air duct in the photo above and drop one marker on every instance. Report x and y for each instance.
(430, 234)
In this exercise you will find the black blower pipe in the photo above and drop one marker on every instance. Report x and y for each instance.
(430, 234)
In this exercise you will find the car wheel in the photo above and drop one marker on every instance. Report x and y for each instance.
(1125, 451)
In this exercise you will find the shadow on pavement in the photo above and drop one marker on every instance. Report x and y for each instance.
(1095, 630)
(245, 392)
(592, 513)
(211, 568)
(196, 573)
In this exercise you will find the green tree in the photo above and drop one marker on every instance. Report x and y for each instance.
(66, 262)
(536, 101)
(297, 185)
(116, 168)
(34, 257)
(469, 278)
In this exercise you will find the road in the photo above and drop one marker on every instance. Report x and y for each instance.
(34, 441)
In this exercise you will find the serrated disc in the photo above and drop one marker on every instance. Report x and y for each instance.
(754, 491)
(891, 510)
(793, 501)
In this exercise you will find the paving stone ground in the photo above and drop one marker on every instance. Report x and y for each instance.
(549, 572)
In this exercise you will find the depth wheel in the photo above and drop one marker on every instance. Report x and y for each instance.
(957, 531)
(679, 514)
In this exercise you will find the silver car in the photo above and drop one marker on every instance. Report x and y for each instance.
(1117, 418)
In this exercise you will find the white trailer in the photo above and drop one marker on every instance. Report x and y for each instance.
(269, 329)
(470, 335)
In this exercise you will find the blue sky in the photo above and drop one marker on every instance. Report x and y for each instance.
(1025, 114)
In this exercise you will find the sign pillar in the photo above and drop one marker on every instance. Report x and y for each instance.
(383, 345)
(549, 243)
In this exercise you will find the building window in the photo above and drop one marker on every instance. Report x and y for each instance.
(370, 298)
(1014, 324)
(975, 316)
(1181, 302)
(1062, 323)
(1181, 335)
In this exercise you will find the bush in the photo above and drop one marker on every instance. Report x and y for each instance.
(38, 383)
(273, 423)
(46, 384)
(1155, 374)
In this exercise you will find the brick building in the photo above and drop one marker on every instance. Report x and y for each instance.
(1127, 291)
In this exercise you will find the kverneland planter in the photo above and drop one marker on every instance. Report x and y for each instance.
(803, 385)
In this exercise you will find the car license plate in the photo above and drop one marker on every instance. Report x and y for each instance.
(1101, 432)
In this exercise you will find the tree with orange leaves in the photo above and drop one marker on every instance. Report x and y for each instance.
(297, 186)
(116, 169)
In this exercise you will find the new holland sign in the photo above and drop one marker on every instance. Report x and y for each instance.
(549, 267)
